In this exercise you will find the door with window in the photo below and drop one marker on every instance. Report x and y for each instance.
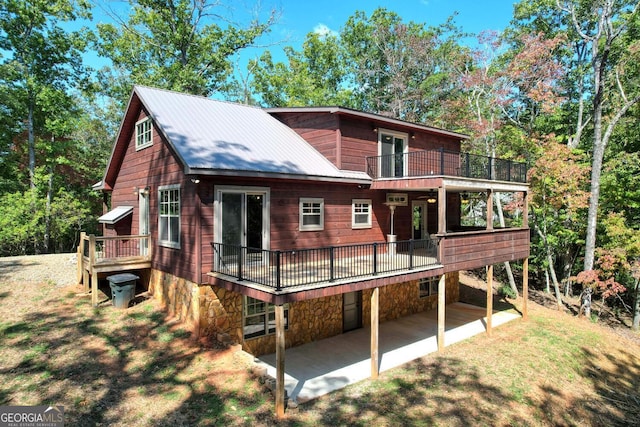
(143, 207)
(351, 311)
(392, 149)
(419, 221)
(242, 223)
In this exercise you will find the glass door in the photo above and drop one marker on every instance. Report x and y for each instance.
(392, 149)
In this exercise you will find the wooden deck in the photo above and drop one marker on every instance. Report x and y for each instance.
(99, 254)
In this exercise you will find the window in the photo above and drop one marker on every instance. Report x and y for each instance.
(259, 318)
(361, 213)
(169, 216)
(144, 136)
(428, 287)
(311, 214)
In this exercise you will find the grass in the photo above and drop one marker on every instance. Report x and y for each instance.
(135, 367)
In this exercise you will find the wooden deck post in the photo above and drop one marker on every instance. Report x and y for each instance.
(489, 209)
(280, 346)
(441, 308)
(442, 210)
(375, 303)
(525, 288)
(94, 275)
(79, 266)
(489, 298)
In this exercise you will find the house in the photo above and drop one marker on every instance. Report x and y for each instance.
(276, 227)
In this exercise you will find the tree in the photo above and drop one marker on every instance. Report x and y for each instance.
(43, 62)
(314, 76)
(558, 199)
(400, 69)
(176, 44)
(601, 26)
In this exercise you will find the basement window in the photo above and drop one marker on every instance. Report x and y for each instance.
(259, 318)
(428, 287)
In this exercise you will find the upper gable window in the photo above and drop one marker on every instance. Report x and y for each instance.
(311, 214)
(144, 133)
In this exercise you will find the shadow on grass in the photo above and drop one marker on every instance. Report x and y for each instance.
(109, 366)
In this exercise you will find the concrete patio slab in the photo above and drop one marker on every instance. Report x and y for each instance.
(318, 368)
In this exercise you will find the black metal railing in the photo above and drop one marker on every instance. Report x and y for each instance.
(445, 163)
(302, 267)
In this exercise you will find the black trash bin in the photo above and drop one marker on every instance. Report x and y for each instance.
(123, 289)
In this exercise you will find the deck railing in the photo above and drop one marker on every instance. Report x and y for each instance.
(102, 249)
(293, 268)
(445, 163)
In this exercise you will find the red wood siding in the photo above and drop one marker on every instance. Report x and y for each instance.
(463, 252)
(151, 168)
(356, 139)
(317, 129)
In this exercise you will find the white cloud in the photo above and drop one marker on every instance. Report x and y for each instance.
(323, 30)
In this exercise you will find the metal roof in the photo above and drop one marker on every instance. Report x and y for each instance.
(212, 137)
(116, 214)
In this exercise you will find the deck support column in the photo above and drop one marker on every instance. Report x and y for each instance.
(489, 298)
(280, 346)
(442, 210)
(441, 308)
(94, 288)
(525, 288)
(375, 303)
(489, 209)
(94, 275)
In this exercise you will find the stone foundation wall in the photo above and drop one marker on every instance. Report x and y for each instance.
(216, 313)
(404, 299)
(177, 295)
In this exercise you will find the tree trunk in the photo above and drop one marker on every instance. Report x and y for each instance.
(31, 142)
(546, 281)
(635, 325)
(551, 268)
(507, 266)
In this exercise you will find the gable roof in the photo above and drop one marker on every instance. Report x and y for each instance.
(212, 137)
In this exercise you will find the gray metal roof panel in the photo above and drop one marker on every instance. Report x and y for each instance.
(217, 135)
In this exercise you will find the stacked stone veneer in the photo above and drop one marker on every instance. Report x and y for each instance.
(216, 313)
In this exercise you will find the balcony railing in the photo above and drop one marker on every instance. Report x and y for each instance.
(293, 268)
(445, 163)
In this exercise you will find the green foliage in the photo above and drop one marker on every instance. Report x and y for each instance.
(177, 44)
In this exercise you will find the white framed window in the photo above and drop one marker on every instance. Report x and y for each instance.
(428, 287)
(361, 213)
(259, 318)
(144, 133)
(169, 216)
(311, 214)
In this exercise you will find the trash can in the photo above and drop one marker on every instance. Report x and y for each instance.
(123, 289)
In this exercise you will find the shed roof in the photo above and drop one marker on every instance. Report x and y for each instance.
(216, 137)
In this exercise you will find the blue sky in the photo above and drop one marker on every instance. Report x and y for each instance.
(299, 17)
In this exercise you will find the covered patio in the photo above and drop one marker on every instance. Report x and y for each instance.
(318, 368)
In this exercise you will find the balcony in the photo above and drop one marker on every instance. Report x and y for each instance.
(445, 163)
(289, 271)
(292, 270)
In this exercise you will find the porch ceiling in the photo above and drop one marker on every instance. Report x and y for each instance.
(453, 184)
